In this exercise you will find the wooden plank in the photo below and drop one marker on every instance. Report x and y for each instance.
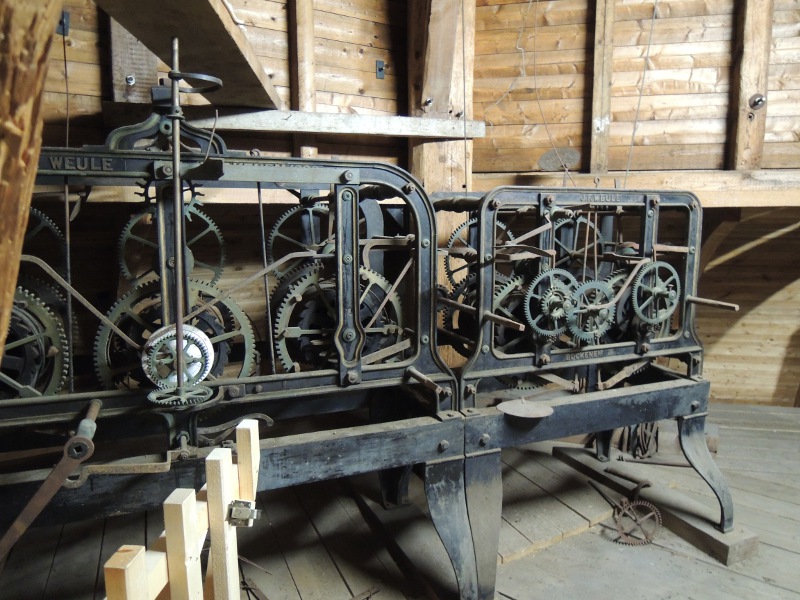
(124, 572)
(311, 567)
(223, 552)
(185, 538)
(601, 85)
(373, 125)
(26, 29)
(749, 73)
(79, 544)
(134, 68)
(560, 481)
(353, 555)
(28, 565)
(733, 189)
(230, 56)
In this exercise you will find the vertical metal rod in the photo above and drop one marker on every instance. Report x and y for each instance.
(266, 281)
(177, 198)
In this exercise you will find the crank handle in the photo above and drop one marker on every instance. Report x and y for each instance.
(714, 303)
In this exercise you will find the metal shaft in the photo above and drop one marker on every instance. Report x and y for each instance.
(177, 199)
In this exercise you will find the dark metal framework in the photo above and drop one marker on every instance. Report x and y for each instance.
(574, 310)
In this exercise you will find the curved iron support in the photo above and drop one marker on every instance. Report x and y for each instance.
(691, 433)
(447, 503)
(484, 483)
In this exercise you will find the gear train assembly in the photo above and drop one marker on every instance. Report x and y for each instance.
(571, 311)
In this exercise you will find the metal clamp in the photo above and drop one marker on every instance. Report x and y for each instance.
(242, 513)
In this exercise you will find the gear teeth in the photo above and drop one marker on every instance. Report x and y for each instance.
(56, 362)
(555, 278)
(448, 269)
(661, 316)
(317, 207)
(590, 331)
(628, 508)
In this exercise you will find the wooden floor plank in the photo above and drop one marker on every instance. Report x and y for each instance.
(351, 551)
(25, 574)
(263, 561)
(312, 569)
(789, 468)
(562, 482)
(778, 489)
(75, 566)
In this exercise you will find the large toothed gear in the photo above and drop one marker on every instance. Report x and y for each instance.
(656, 292)
(44, 239)
(508, 300)
(159, 356)
(456, 269)
(138, 247)
(547, 301)
(593, 311)
(138, 315)
(35, 358)
(305, 320)
(576, 241)
(637, 522)
(283, 238)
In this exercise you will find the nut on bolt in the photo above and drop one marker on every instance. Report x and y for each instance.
(443, 445)
(484, 439)
(352, 376)
(349, 335)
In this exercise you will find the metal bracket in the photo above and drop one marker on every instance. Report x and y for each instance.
(63, 24)
(242, 513)
(380, 69)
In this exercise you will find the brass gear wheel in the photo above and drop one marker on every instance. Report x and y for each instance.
(159, 356)
(305, 320)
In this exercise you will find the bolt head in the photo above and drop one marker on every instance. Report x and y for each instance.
(352, 376)
(443, 445)
(484, 439)
(130, 79)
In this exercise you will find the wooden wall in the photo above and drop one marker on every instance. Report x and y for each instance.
(533, 84)
(753, 356)
(349, 38)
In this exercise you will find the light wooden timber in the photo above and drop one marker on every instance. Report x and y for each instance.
(437, 78)
(26, 29)
(750, 74)
(134, 68)
(378, 125)
(214, 44)
(715, 189)
(601, 84)
(303, 69)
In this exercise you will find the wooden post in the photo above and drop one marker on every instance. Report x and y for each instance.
(126, 574)
(26, 29)
(601, 84)
(752, 35)
(303, 69)
(223, 555)
(248, 456)
(185, 537)
(440, 85)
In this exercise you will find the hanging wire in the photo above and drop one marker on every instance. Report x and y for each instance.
(641, 91)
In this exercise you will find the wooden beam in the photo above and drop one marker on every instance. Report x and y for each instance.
(27, 30)
(211, 42)
(377, 125)
(440, 54)
(601, 84)
(303, 65)
(715, 189)
(752, 42)
(134, 69)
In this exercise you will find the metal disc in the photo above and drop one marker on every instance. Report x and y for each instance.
(525, 409)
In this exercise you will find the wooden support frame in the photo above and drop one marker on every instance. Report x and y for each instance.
(601, 85)
(752, 35)
(134, 69)
(215, 46)
(171, 569)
